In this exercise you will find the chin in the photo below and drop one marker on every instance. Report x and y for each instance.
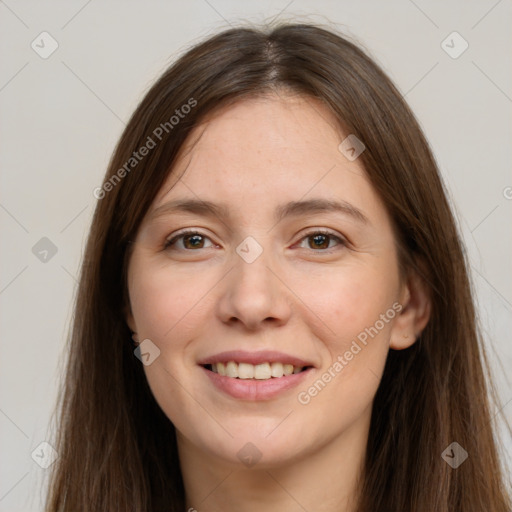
(252, 450)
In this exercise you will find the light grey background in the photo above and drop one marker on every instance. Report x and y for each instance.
(62, 116)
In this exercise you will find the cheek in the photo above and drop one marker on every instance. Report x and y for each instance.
(165, 301)
(166, 305)
(349, 300)
(356, 306)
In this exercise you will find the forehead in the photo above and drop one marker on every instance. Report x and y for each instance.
(268, 149)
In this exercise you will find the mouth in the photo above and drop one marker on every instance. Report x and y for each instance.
(248, 371)
(254, 376)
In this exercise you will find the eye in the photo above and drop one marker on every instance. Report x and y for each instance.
(191, 240)
(321, 239)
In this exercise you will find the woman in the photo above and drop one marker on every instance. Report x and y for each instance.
(274, 309)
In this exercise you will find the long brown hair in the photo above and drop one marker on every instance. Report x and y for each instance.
(117, 449)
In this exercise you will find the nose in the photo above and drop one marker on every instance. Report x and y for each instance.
(254, 295)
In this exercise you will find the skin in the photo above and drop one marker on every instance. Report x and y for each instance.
(199, 297)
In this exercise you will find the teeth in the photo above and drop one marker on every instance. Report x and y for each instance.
(245, 371)
(277, 369)
(221, 368)
(262, 371)
(231, 369)
(288, 369)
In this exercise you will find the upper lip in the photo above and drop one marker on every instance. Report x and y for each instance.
(259, 357)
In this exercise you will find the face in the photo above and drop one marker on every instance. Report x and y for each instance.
(281, 258)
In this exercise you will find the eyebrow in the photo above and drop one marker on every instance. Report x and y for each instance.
(290, 209)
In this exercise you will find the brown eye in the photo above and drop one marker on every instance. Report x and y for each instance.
(190, 240)
(321, 240)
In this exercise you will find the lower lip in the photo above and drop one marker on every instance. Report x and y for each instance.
(253, 389)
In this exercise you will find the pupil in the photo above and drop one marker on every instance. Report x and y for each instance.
(192, 237)
(317, 237)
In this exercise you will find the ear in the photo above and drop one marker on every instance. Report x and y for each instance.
(415, 313)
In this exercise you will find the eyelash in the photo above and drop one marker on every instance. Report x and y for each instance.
(341, 241)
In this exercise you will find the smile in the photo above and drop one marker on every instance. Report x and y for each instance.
(263, 371)
(255, 375)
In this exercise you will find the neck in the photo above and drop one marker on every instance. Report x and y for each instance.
(325, 481)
